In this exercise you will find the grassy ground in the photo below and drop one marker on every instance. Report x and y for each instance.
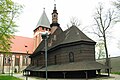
(3, 77)
(116, 73)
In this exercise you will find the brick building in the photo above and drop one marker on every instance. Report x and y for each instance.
(17, 57)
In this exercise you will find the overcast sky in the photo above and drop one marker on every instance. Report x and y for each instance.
(82, 9)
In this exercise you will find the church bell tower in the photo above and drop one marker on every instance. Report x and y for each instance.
(55, 23)
(43, 25)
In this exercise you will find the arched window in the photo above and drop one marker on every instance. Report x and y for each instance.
(71, 57)
(7, 59)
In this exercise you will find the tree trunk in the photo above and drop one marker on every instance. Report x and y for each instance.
(107, 59)
(3, 64)
(106, 50)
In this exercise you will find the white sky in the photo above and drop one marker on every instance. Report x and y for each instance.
(82, 9)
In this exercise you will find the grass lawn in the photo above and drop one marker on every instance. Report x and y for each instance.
(116, 73)
(3, 77)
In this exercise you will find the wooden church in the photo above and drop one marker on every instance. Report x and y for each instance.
(70, 54)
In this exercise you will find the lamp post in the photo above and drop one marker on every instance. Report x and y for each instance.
(12, 67)
(3, 64)
(9, 64)
(45, 36)
(26, 72)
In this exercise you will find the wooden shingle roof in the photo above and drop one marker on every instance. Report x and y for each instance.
(73, 34)
(69, 36)
(73, 66)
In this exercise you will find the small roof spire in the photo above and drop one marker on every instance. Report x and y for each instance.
(54, 5)
(43, 9)
(43, 21)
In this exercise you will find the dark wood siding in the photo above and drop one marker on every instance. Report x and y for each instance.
(81, 53)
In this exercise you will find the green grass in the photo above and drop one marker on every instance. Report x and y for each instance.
(116, 73)
(2, 77)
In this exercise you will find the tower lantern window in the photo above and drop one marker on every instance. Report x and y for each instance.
(42, 28)
(54, 15)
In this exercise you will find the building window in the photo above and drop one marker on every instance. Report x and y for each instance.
(24, 60)
(54, 15)
(71, 57)
(54, 38)
(42, 28)
(39, 37)
(32, 62)
(55, 57)
(7, 60)
(35, 41)
(17, 59)
(80, 50)
(37, 62)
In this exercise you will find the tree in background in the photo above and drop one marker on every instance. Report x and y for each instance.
(100, 50)
(74, 21)
(9, 11)
(117, 4)
(104, 21)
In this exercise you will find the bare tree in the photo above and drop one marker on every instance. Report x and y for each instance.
(117, 4)
(100, 49)
(74, 21)
(104, 21)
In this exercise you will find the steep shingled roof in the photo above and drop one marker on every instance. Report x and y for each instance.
(43, 21)
(71, 35)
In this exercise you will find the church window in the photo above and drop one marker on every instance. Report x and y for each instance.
(71, 57)
(54, 37)
(33, 62)
(7, 59)
(80, 50)
(42, 28)
(17, 60)
(37, 62)
(54, 15)
(39, 37)
(55, 57)
(24, 60)
(35, 41)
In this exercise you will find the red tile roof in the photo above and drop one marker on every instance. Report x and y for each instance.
(22, 44)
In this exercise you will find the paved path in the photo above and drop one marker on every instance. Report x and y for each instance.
(112, 77)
